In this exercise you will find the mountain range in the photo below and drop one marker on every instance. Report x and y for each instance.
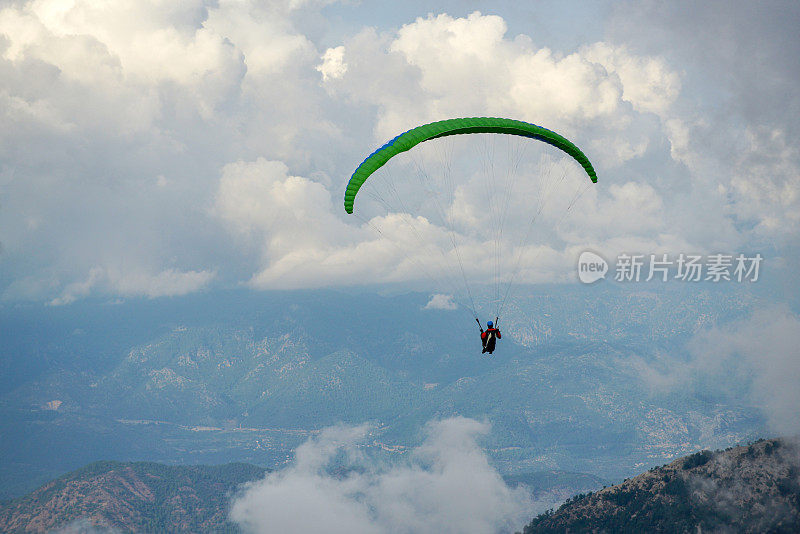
(238, 377)
(751, 488)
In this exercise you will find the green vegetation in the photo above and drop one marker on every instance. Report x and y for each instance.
(697, 459)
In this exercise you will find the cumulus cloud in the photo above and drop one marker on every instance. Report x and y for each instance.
(333, 65)
(290, 223)
(648, 83)
(441, 302)
(124, 146)
(621, 105)
(112, 133)
(460, 66)
(740, 142)
(444, 485)
(603, 97)
(468, 66)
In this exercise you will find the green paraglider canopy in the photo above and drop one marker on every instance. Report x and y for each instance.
(469, 125)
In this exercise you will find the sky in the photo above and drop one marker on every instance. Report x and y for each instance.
(153, 149)
(156, 148)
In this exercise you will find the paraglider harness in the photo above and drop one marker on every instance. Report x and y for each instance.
(490, 336)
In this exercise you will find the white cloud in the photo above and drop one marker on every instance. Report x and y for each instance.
(765, 347)
(605, 97)
(466, 66)
(756, 355)
(766, 183)
(290, 223)
(441, 302)
(469, 66)
(733, 125)
(289, 219)
(444, 485)
(333, 65)
(129, 282)
(96, 46)
(114, 120)
(648, 83)
(112, 135)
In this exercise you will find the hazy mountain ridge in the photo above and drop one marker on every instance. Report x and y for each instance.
(215, 379)
(151, 497)
(292, 390)
(134, 497)
(753, 488)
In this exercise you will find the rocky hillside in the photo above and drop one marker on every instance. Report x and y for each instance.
(753, 488)
(132, 497)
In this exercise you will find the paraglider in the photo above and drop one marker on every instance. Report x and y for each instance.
(399, 200)
(472, 125)
(490, 336)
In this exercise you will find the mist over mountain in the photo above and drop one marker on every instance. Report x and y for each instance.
(235, 377)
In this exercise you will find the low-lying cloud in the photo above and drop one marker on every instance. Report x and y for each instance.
(755, 359)
(444, 485)
(441, 302)
(764, 348)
